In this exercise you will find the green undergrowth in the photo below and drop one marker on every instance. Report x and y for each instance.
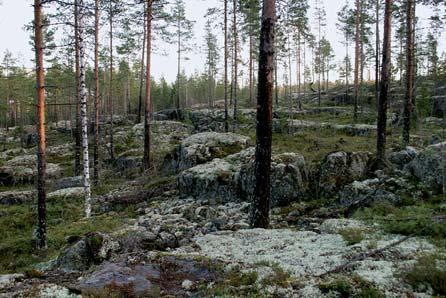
(65, 217)
(354, 286)
(418, 218)
(428, 273)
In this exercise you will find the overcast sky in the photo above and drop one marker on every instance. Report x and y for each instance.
(15, 13)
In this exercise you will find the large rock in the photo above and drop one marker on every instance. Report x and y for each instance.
(73, 192)
(289, 179)
(16, 197)
(232, 179)
(339, 169)
(430, 167)
(403, 157)
(23, 169)
(68, 182)
(80, 254)
(438, 105)
(203, 147)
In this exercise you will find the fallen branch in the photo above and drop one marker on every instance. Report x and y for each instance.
(363, 256)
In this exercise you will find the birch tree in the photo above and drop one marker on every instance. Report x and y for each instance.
(83, 108)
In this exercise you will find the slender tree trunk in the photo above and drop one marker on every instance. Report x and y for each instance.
(357, 58)
(226, 65)
(320, 62)
(385, 85)
(262, 163)
(235, 65)
(276, 84)
(148, 99)
(96, 97)
(251, 97)
(178, 63)
(141, 78)
(83, 103)
(377, 51)
(110, 89)
(41, 164)
(298, 72)
(408, 106)
(78, 136)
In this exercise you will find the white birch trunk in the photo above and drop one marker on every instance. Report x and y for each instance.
(83, 105)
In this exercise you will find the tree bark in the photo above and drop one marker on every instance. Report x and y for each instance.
(384, 87)
(110, 89)
(77, 135)
(178, 64)
(141, 79)
(357, 57)
(377, 51)
(226, 65)
(41, 164)
(148, 98)
(83, 103)
(262, 163)
(408, 106)
(96, 96)
(235, 65)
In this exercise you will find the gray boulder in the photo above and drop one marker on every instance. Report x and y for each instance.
(203, 147)
(364, 193)
(339, 169)
(430, 167)
(68, 182)
(232, 179)
(403, 157)
(81, 253)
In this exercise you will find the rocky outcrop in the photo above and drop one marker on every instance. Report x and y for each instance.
(232, 179)
(403, 157)
(72, 192)
(430, 167)
(203, 147)
(214, 120)
(281, 125)
(339, 169)
(68, 182)
(23, 169)
(81, 253)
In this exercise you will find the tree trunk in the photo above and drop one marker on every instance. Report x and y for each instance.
(226, 66)
(41, 165)
(83, 103)
(262, 163)
(357, 57)
(235, 65)
(251, 97)
(178, 63)
(408, 106)
(77, 135)
(377, 51)
(141, 78)
(298, 62)
(110, 89)
(96, 96)
(384, 88)
(148, 99)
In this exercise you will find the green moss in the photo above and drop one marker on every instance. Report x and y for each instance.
(279, 277)
(351, 286)
(341, 285)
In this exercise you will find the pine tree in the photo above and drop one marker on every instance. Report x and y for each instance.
(262, 163)
(148, 98)
(384, 88)
(40, 104)
(96, 96)
(182, 35)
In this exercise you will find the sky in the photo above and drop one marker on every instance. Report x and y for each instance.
(14, 14)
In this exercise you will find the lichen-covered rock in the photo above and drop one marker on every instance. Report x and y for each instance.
(16, 197)
(203, 147)
(232, 179)
(403, 157)
(430, 167)
(80, 254)
(289, 179)
(365, 193)
(214, 120)
(129, 160)
(341, 168)
(23, 169)
(72, 192)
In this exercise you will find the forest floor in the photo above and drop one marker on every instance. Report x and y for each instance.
(157, 241)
